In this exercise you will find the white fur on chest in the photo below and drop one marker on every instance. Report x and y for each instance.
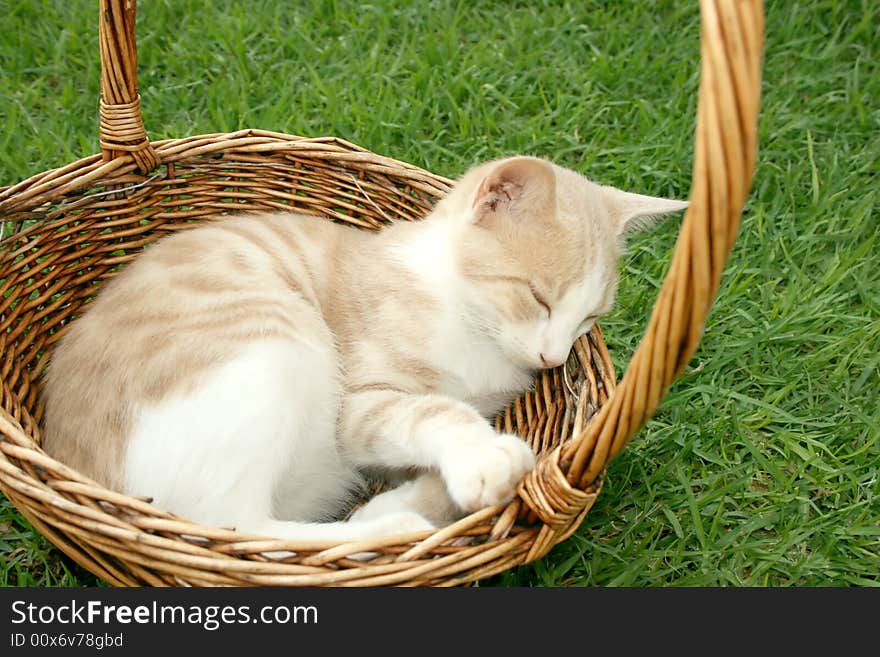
(473, 367)
(479, 373)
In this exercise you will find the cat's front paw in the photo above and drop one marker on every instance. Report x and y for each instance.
(484, 470)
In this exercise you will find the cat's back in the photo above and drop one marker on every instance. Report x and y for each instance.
(189, 303)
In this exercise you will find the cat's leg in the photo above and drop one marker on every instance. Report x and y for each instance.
(425, 495)
(393, 429)
(400, 522)
(223, 453)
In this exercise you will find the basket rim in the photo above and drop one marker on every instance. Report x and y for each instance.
(82, 172)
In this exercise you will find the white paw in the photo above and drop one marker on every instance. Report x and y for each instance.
(484, 469)
(402, 522)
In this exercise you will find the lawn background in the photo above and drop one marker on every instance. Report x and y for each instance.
(761, 466)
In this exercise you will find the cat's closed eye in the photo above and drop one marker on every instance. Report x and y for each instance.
(540, 299)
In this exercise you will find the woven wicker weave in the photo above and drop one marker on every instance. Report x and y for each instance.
(91, 216)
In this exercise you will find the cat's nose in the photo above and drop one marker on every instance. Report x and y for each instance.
(552, 360)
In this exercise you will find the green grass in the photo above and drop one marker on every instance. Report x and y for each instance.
(761, 466)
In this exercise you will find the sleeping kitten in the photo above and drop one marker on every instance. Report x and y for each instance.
(246, 373)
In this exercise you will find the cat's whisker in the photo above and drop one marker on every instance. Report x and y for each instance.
(566, 379)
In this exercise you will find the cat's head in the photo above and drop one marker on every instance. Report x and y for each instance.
(538, 247)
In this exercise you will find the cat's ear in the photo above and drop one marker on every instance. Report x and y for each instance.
(634, 212)
(518, 187)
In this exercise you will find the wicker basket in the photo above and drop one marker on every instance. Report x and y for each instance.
(89, 217)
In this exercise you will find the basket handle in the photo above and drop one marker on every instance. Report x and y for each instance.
(122, 127)
(731, 38)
